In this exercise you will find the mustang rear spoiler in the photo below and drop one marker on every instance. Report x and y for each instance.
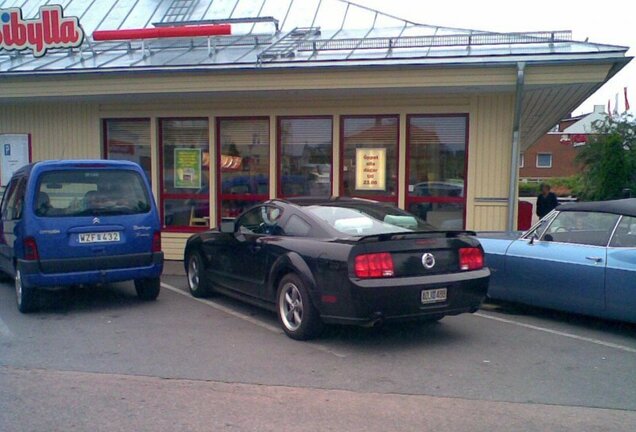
(416, 235)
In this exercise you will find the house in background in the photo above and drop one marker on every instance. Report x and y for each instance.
(554, 154)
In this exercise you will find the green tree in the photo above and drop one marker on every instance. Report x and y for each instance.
(608, 160)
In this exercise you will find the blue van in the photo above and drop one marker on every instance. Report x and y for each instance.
(79, 223)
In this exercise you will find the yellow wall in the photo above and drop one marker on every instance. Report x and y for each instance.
(58, 130)
(489, 161)
(72, 130)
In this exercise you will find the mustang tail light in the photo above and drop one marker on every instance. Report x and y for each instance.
(471, 258)
(376, 265)
(156, 242)
(31, 249)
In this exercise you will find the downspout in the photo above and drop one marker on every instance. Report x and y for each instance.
(516, 142)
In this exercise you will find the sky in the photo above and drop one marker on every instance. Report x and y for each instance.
(611, 23)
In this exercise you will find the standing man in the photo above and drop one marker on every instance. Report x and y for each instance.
(546, 201)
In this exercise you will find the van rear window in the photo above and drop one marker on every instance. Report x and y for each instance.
(90, 192)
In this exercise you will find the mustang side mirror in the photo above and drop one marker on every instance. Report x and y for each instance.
(534, 237)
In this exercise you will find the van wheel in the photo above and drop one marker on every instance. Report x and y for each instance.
(148, 289)
(197, 282)
(296, 313)
(25, 296)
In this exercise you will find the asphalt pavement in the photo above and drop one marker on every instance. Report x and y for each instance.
(101, 359)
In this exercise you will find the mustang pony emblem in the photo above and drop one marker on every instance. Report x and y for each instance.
(428, 261)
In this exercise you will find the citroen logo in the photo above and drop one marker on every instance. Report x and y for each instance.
(96, 221)
(428, 261)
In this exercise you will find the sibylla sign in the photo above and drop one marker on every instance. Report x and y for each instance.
(50, 30)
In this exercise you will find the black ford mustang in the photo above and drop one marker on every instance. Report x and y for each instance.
(339, 260)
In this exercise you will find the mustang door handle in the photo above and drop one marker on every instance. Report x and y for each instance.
(595, 259)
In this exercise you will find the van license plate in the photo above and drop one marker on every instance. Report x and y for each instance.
(100, 237)
(434, 295)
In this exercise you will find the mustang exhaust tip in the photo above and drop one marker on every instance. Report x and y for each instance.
(377, 319)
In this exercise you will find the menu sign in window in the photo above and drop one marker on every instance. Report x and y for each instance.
(187, 166)
(371, 169)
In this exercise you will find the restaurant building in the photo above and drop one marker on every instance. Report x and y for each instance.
(225, 103)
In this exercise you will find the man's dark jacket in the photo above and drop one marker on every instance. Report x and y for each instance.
(545, 204)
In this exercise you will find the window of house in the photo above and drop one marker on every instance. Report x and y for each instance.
(129, 139)
(306, 156)
(185, 196)
(521, 160)
(244, 159)
(369, 167)
(544, 160)
(436, 168)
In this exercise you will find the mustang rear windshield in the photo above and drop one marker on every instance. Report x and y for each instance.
(369, 220)
(90, 192)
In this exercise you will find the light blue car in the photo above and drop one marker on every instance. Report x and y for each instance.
(580, 258)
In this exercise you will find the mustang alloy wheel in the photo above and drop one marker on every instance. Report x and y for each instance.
(198, 285)
(291, 307)
(298, 316)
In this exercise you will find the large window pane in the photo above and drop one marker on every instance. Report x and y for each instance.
(436, 169)
(185, 170)
(369, 165)
(306, 149)
(129, 140)
(243, 163)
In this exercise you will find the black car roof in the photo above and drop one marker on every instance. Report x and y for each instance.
(625, 207)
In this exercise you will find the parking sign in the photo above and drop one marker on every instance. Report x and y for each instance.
(15, 154)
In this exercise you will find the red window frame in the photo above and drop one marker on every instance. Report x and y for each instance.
(279, 150)
(176, 196)
(220, 196)
(381, 198)
(442, 200)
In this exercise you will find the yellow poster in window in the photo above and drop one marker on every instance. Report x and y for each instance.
(371, 169)
(187, 166)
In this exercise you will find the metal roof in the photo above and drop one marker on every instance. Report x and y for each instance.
(280, 33)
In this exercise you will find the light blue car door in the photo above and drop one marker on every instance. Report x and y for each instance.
(620, 280)
(565, 268)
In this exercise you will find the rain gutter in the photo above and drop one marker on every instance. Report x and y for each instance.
(516, 139)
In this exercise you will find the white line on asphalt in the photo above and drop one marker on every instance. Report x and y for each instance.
(4, 330)
(222, 308)
(558, 333)
(247, 318)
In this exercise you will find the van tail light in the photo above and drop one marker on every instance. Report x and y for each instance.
(377, 265)
(471, 258)
(156, 241)
(31, 249)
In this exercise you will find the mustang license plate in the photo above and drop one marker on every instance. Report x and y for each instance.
(437, 295)
(100, 237)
